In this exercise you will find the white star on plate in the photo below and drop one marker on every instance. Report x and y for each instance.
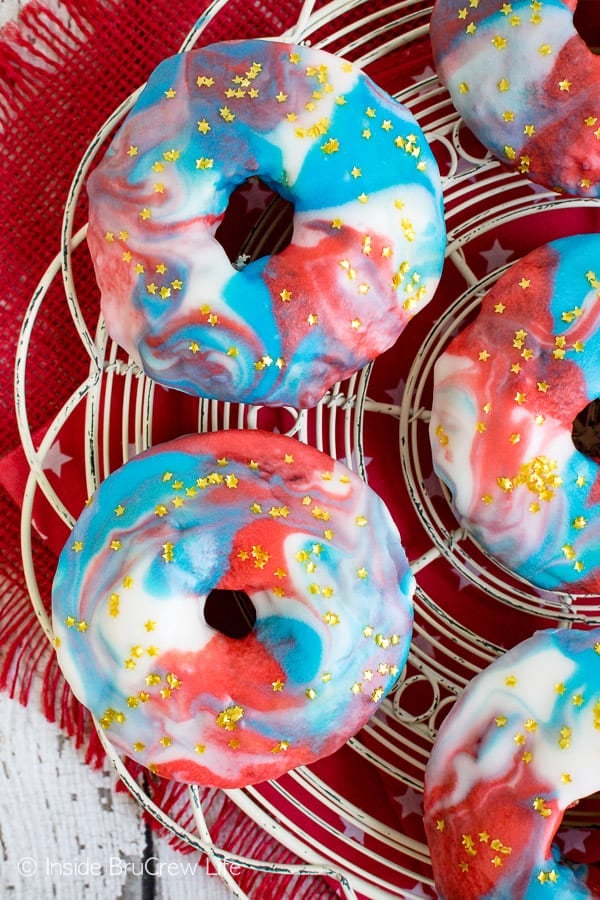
(433, 485)
(352, 831)
(428, 72)
(496, 256)
(423, 643)
(396, 393)
(410, 802)
(419, 890)
(574, 839)
(366, 459)
(55, 459)
(464, 166)
(463, 582)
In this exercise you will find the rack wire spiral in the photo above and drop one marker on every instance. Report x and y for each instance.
(307, 812)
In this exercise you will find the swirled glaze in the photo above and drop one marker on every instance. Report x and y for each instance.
(315, 550)
(526, 84)
(506, 394)
(517, 749)
(368, 232)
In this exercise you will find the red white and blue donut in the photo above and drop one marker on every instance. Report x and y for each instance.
(368, 238)
(142, 602)
(519, 747)
(527, 85)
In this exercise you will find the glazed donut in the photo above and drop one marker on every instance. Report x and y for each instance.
(324, 585)
(506, 393)
(518, 748)
(368, 232)
(526, 84)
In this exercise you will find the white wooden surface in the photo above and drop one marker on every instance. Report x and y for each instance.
(9, 9)
(64, 830)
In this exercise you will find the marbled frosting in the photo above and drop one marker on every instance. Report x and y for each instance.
(319, 557)
(368, 238)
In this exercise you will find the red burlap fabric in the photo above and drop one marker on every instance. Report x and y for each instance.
(64, 67)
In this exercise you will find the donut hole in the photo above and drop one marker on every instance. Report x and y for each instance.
(587, 23)
(257, 222)
(232, 613)
(585, 433)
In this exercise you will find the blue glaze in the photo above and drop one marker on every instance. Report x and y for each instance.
(294, 644)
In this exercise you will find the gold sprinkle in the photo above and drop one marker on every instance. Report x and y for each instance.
(331, 146)
(540, 806)
(228, 718)
(226, 114)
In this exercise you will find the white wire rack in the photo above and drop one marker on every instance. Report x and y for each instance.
(312, 814)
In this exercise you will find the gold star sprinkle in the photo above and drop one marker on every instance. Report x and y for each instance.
(228, 718)
(330, 146)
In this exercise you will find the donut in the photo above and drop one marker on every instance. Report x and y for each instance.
(506, 393)
(311, 557)
(526, 84)
(368, 238)
(519, 747)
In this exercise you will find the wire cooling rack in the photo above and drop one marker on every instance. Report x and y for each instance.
(468, 609)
